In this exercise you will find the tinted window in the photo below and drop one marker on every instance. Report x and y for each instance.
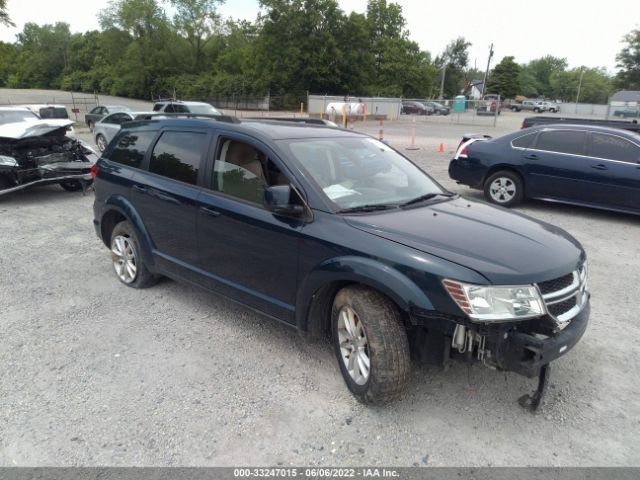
(562, 141)
(177, 155)
(524, 141)
(169, 109)
(157, 107)
(96, 110)
(180, 109)
(614, 148)
(53, 112)
(131, 148)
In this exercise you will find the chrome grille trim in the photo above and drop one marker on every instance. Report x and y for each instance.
(577, 289)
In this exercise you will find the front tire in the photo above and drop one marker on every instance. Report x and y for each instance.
(126, 257)
(371, 345)
(504, 188)
(101, 142)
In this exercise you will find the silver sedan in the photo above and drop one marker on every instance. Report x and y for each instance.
(107, 128)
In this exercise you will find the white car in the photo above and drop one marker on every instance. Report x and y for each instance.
(179, 106)
(107, 128)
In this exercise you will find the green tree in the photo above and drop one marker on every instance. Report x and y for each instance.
(628, 78)
(197, 21)
(542, 69)
(505, 78)
(4, 15)
(528, 82)
(454, 60)
(596, 85)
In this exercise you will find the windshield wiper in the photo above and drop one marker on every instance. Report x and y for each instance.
(368, 208)
(425, 197)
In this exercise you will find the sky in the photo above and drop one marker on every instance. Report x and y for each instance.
(584, 32)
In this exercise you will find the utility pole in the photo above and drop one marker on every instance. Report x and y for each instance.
(486, 73)
(579, 86)
(444, 71)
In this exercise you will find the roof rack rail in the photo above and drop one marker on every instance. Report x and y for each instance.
(219, 118)
(310, 121)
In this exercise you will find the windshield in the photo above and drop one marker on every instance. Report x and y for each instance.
(357, 171)
(54, 112)
(203, 109)
(11, 116)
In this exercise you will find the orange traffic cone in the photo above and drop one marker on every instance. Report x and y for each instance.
(441, 149)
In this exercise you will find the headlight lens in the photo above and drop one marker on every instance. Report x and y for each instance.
(495, 304)
(8, 161)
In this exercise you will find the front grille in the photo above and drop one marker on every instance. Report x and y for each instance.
(557, 309)
(556, 284)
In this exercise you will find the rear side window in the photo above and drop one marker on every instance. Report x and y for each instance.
(524, 141)
(614, 148)
(562, 141)
(177, 155)
(157, 107)
(131, 148)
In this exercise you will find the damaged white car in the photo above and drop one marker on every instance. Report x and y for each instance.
(39, 152)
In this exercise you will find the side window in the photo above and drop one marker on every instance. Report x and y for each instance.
(180, 108)
(177, 155)
(157, 107)
(562, 141)
(243, 171)
(96, 110)
(120, 118)
(614, 148)
(524, 141)
(131, 148)
(169, 108)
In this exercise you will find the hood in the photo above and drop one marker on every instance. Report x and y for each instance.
(505, 247)
(32, 128)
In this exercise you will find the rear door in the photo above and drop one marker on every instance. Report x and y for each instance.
(555, 165)
(166, 196)
(614, 171)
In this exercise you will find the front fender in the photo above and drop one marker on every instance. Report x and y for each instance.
(352, 269)
(120, 204)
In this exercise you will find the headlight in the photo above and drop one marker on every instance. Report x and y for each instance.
(496, 304)
(8, 161)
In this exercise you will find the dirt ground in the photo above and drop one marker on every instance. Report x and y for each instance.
(94, 373)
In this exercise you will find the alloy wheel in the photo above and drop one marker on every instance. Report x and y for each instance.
(354, 347)
(124, 258)
(502, 190)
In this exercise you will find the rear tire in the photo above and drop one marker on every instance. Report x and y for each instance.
(101, 142)
(72, 186)
(504, 188)
(127, 259)
(371, 345)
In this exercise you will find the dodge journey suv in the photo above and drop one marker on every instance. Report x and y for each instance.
(335, 233)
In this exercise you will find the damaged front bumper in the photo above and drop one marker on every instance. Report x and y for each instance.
(82, 177)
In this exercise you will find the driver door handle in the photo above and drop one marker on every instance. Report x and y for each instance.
(532, 156)
(210, 211)
(600, 166)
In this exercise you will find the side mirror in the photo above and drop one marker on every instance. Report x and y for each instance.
(277, 199)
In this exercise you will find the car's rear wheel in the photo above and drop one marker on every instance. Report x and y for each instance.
(72, 186)
(126, 258)
(536, 110)
(371, 344)
(101, 142)
(504, 188)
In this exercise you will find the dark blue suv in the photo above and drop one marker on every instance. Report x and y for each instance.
(333, 232)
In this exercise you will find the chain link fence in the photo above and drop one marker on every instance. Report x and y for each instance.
(459, 110)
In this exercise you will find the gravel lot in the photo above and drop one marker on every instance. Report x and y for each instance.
(94, 373)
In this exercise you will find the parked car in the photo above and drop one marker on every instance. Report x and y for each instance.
(38, 152)
(106, 128)
(49, 111)
(632, 126)
(551, 107)
(438, 108)
(490, 104)
(535, 106)
(102, 111)
(629, 112)
(415, 108)
(16, 114)
(334, 232)
(180, 106)
(577, 164)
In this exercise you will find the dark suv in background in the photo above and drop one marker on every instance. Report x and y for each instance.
(333, 232)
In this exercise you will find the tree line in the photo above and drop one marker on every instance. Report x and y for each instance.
(293, 47)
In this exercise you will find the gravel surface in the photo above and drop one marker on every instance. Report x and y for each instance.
(94, 373)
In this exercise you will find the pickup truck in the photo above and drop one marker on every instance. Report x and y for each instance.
(535, 106)
(489, 104)
(632, 125)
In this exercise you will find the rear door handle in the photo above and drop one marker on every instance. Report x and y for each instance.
(164, 197)
(140, 188)
(599, 166)
(210, 211)
(532, 156)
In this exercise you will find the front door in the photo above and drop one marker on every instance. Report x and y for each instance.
(247, 252)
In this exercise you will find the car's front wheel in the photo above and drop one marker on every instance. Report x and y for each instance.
(504, 188)
(371, 344)
(126, 258)
(101, 142)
